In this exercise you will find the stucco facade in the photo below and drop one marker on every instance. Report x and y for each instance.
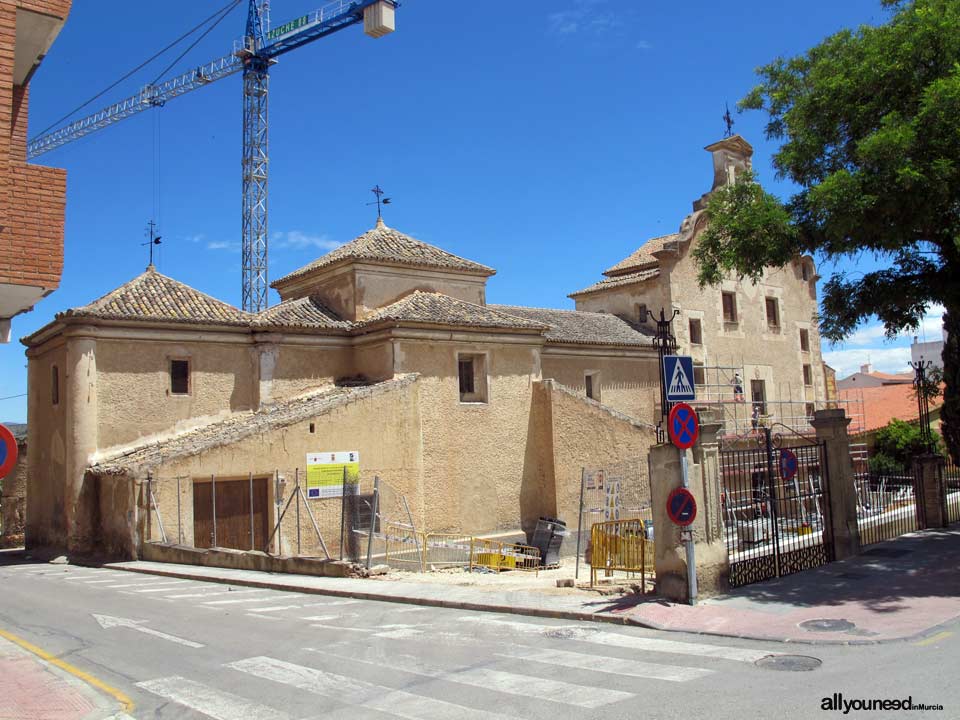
(765, 331)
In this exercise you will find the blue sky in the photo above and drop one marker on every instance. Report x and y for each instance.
(547, 140)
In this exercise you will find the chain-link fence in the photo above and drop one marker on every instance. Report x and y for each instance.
(616, 491)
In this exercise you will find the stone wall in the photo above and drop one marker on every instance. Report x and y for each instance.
(13, 500)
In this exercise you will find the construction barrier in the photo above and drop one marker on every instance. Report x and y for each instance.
(621, 545)
(498, 556)
(446, 550)
(403, 546)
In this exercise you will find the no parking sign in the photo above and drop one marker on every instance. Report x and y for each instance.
(8, 451)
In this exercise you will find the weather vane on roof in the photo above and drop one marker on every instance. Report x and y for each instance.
(378, 192)
(152, 238)
(728, 119)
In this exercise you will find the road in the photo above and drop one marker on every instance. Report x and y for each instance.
(190, 650)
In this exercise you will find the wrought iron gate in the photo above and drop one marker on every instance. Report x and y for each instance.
(775, 507)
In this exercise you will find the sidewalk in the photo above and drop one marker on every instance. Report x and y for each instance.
(894, 591)
(33, 689)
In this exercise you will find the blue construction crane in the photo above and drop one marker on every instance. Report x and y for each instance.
(259, 49)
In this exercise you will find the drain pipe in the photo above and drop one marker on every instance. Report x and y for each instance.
(686, 535)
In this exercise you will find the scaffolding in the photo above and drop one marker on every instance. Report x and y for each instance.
(744, 415)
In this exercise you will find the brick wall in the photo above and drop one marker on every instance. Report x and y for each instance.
(32, 198)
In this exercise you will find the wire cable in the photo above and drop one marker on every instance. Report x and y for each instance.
(226, 11)
(11, 397)
(142, 65)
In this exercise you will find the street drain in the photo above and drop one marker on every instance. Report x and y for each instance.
(828, 625)
(789, 663)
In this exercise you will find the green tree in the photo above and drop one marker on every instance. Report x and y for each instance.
(869, 128)
(895, 446)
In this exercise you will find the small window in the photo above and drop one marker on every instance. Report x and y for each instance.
(473, 378)
(641, 313)
(804, 340)
(809, 409)
(804, 271)
(179, 377)
(55, 385)
(696, 332)
(807, 375)
(729, 307)
(773, 313)
(592, 382)
(758, 396)
(699, 374)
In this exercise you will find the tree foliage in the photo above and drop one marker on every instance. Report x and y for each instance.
(896, 445)
(869, 126)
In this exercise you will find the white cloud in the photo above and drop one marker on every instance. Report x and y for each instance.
(644, 45)
(223, 245)
(299, 240)
(869, 344)
(198, 238)
(889, 360)
(584, 17)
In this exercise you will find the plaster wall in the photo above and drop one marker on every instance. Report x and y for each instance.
(13, 499)
(378, 286)
(384, 428)
(299, 368)
(473, 453)
(46, 449)
(134, 386)
(627, 384)
(374, 359)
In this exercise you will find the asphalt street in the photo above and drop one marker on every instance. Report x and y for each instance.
(186, 649)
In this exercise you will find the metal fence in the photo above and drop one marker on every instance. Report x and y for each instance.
(273, 512)
(617, 491)
(886, 506)
(621, 545)
(951, 479)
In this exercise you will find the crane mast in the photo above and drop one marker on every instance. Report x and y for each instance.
(257, 52)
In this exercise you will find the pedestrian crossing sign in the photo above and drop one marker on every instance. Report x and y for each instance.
(678, 378)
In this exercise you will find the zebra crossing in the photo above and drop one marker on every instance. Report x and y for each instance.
(364, 659)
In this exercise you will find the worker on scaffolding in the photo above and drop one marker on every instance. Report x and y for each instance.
(755, 416)
(737, 383)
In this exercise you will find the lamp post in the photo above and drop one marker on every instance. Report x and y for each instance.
(666, 344)
(921, 384)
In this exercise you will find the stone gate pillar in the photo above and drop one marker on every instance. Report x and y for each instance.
(932, 495)
(703, 471)
(831, 427)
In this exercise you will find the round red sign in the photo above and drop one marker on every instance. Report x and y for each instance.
(683, 426)
(681, 507)
(8, 451)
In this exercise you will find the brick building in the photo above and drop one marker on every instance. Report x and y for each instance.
(32, 198)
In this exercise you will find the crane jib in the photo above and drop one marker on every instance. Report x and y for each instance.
(288, 27)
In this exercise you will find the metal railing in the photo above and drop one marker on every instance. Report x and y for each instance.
(621, 545)
(951, 481)
(497, 556)
(886, 506)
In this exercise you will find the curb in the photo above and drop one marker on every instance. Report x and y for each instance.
(610, 618)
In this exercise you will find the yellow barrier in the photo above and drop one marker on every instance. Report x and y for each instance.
(621, 545)
(499, 556)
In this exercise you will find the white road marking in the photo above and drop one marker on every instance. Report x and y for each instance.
(245, 600)
(348, 629)
(108, 621)
(413, 609)
(506, 682)
(82, 577)
(396, 703)
(148, 583)
(213, 594)
(400, 634)
(613, 666)
(633, 642)
(95, 582)
(340, 602)
(157, 589)
(274, 608)
(263, 617)
(207, 701)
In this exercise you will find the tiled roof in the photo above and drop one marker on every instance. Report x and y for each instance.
(574, 326)
(643, 257)
(881, 405)
(436, 308)
(225, 432)
(152, 296)
(618, 281)
(307, 312)
(385, 244)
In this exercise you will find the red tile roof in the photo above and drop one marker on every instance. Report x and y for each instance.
(883, 404)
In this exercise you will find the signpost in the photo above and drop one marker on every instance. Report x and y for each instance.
(683, 428)
(678, 378)
(8, 451)
(333, 474)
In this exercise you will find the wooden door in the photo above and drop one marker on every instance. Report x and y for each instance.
(233, 514)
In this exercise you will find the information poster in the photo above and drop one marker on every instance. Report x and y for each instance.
(333, 474)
